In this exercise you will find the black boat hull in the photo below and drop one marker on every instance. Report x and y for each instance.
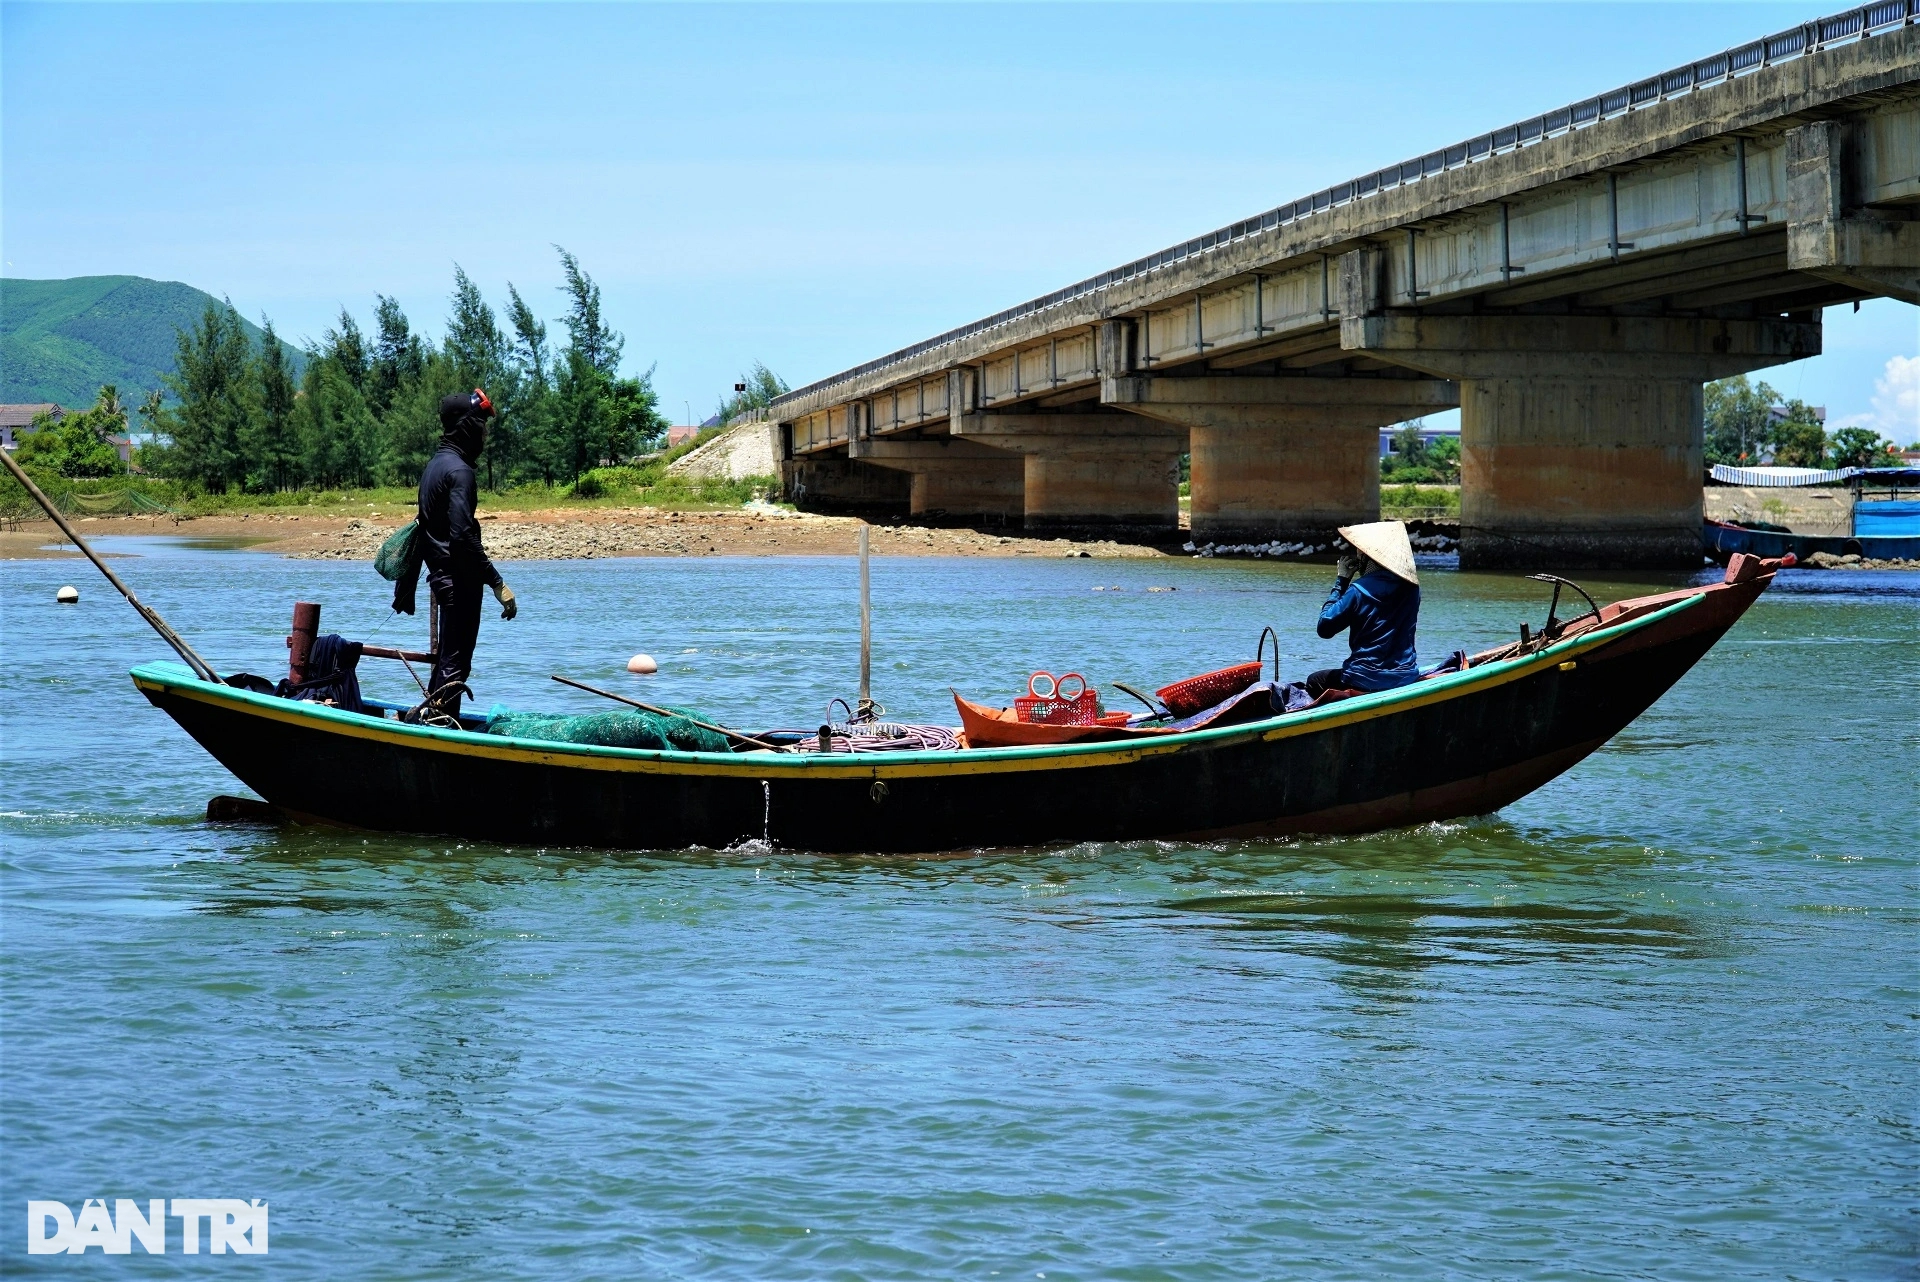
(1459, 746)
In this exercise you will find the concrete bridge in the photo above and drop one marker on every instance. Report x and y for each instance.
(1569, 282)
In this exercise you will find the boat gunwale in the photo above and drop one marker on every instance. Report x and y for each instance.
(173, 678)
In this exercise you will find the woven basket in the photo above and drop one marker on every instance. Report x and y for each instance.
(1197, 694)
(1055, 709)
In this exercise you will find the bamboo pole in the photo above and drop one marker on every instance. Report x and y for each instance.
(665, 712)
(201, 668)
(865, 710)
(384, 652)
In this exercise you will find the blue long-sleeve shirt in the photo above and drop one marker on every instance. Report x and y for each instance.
(1382, 610)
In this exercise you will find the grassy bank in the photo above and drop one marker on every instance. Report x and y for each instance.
(1415, 502)
(645, 484)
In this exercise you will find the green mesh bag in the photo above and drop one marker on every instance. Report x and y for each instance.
(399, 553)
(608, 730)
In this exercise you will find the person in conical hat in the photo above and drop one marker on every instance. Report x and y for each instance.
(1376, 599)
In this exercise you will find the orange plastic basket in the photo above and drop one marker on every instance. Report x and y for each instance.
(1197, 694)
(1056, 707)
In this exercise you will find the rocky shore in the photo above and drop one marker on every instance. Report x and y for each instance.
(1300, 551)
(589, 533)
(547, 536)
(1828, 561)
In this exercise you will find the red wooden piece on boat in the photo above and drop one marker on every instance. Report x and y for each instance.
(306, 626)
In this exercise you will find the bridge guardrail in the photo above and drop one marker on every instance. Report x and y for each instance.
(1785, 46)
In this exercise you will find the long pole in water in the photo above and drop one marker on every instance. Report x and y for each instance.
(201, 668)
(865, 712)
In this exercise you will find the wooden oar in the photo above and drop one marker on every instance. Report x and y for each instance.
(665, 712)
(201, 668)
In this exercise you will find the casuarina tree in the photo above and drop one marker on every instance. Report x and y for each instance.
(217, 401)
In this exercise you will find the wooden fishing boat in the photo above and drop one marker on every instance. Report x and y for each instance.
(1724, 539)
(1881, 525)
(1463, 743)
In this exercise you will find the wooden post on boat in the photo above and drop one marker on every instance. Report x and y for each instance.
(864, 712)
(433, 623)
(306, 626)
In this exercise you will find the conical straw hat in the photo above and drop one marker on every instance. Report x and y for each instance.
(1385, 544)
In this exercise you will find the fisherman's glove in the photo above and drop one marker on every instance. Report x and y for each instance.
(1348, 567)
(508, 605)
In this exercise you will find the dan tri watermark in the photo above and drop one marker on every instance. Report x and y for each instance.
(231, 1225)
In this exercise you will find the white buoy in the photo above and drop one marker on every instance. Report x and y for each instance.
(643, 664)
(68, 595)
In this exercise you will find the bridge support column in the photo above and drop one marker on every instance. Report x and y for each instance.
(1580, 437)
(1280, 458)
(1089, 471)
(1587, 472)
(952, 478)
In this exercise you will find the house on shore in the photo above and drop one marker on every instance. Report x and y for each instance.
(17, 421)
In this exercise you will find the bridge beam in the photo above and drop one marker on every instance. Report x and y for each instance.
(1280, 458)
(1086, 471)
(1831, 233)
(1580, 437)
(951, 477)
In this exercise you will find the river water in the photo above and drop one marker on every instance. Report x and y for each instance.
(1656, 1020)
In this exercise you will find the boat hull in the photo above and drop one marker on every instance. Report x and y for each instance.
(1464, 744)
(1724, 541)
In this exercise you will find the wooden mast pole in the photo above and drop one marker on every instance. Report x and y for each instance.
(865, 710)
(201, 668)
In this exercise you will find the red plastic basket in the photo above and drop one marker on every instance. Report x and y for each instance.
(1197, 694)
(1055, 708)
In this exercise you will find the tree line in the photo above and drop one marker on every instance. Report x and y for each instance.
(1415, 460)
(365, 409)
(1748, 424)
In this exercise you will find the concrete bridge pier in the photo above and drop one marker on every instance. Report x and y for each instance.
(1108, 471)
(1280, 458)
(1580, 437)
(951, 477)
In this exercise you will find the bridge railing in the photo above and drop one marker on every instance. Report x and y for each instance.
(1796, 42)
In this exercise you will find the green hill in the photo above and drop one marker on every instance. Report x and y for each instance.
(61, 339)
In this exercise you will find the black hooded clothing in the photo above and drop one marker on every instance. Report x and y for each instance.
(456, 564)
(449, 528)
(459, 632)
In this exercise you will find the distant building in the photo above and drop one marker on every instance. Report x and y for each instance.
(17, 421)
(1778, 414)
(680, 435)
(1428, 435)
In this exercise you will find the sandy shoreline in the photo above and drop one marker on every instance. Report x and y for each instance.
(586, 534)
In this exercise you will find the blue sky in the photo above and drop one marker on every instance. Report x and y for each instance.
(811, 186)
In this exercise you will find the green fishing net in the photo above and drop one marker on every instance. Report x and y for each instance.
(398, 553)
(607, 730)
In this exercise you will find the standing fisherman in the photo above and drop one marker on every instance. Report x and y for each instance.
(456, 563)
(1376, 592)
